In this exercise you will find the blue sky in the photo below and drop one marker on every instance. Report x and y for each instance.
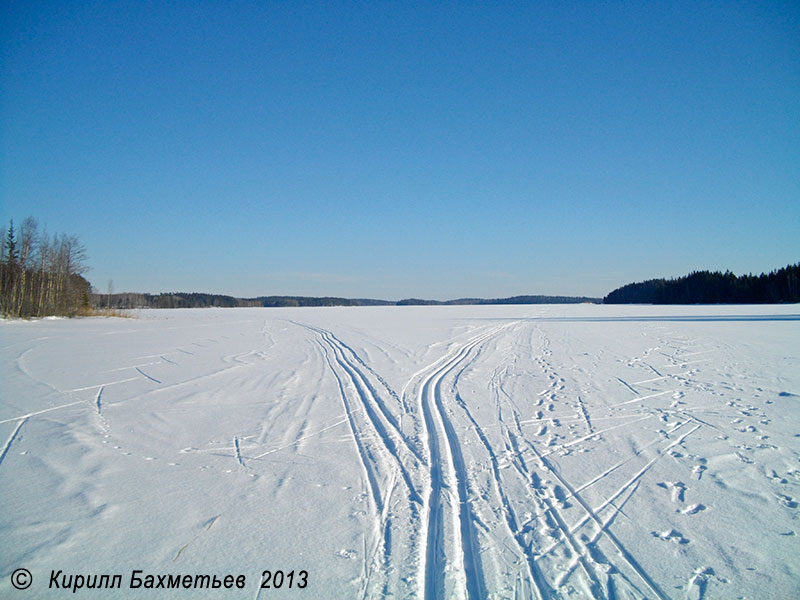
(404, 149)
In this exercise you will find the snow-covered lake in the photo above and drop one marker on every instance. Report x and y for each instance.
(407, 452)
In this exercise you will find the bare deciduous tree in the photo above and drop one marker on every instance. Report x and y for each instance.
(41, 274)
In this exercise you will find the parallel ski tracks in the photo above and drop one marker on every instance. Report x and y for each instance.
(449, 561)
(383, 423)
(456, 573)
(425, 462)
(368, 465)
(385, 452)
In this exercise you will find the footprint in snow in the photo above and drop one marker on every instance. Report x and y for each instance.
(677, 489)
(693, 509)
(670, 535)
(778, 478)
(698, 583)
(561, 497)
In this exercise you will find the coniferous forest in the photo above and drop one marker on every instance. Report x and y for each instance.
(705, 287)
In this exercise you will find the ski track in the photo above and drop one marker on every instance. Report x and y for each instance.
(371, 465)
(447, 472)
(238, 451)
(98, 401)
(147, 376)
(585, 415)
(450, 560)
(370, 396)
(509, 515)
(382, 422)
(366, 462)
(11, 438)
(41, 412)
(468, 573)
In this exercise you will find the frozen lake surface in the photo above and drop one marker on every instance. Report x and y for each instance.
(546, 451)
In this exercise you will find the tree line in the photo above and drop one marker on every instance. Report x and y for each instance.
(204, 300)
(705, 287)
(201, 300)
(511, 300)
(130, 300)
(41, 274)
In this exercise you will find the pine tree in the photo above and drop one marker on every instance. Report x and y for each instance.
(12, 253)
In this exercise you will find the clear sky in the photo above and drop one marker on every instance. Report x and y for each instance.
(389, 150)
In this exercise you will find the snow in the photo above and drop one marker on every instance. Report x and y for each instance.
(564, 451)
